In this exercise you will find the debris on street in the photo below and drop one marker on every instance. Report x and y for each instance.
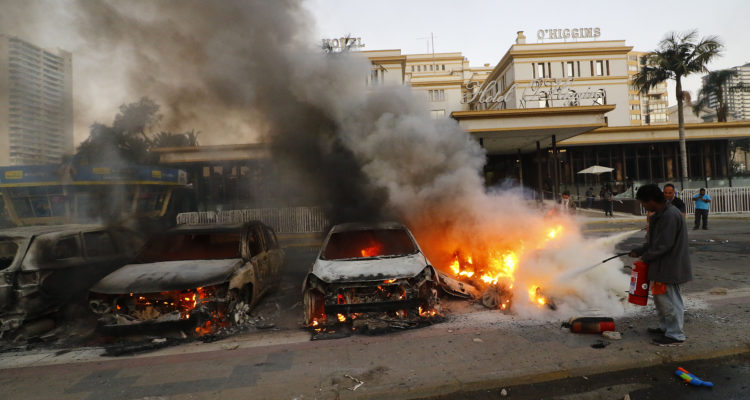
(692, 379)
(600, 344)
(612, 335)
(357, 382)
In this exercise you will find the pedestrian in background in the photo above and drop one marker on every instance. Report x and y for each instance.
(666, 252)
(671, 195)
(701, 208)
(590, 198)
(609, 199)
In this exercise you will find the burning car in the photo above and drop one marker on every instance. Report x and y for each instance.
(193, 278)
(374, 275)
(44, 268)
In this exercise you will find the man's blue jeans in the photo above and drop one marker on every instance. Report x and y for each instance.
(671, 312)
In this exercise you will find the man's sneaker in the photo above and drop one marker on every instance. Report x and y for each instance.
(656, 331)
(667, 341)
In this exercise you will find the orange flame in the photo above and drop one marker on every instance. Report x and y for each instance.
(372, 250)
(536, 296)
(497, 264)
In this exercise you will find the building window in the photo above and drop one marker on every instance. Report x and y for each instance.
(539, 70)
(599, 68)
(569, 69)
(412, 68)
(633, 68)
(635, 117)
(437, 95)
(419, 68)
(436, 114)
(635, 107)
(431, 67)
(443, 67)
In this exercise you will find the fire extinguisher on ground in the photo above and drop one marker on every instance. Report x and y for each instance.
(639, 284)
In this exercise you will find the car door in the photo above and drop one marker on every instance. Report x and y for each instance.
(54, 267)
(275, 255)
(11, 250)
(257, 247)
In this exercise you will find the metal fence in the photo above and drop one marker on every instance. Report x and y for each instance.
(282, 220)
(723, 200)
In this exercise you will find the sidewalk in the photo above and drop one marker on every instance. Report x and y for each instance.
(469, 351)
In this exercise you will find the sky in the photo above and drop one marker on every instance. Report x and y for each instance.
(484, 30)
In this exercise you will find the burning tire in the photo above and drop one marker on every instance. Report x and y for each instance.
(497, 297)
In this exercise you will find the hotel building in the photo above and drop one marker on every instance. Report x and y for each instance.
(574, 103)
(542, 113)
(36, 103)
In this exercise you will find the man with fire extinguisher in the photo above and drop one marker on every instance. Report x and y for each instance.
(666, 253)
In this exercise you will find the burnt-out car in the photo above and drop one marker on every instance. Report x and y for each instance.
(373, 275)
(193, 278)
(44, 268)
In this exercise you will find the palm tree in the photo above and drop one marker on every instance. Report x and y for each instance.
(678, 55)
(716, 83)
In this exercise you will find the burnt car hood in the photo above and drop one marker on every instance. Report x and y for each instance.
(166, 276)
(369, 269)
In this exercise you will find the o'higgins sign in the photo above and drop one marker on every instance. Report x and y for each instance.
(568, 33)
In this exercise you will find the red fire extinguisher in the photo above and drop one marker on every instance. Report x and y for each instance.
(639, 284)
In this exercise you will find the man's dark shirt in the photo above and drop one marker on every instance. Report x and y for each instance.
(677, 202)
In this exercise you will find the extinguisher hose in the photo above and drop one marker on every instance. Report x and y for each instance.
(615, 256)
(570, 274)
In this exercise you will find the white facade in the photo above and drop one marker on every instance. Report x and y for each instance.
(36, 103)
(558, 74)
(441, 77)
(565, 74)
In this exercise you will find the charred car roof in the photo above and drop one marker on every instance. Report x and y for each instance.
(37, 230)
(359, 226)
(211, 228)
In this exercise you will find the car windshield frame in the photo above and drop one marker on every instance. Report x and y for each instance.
(20, 246)
(414, 249)
(180, 253)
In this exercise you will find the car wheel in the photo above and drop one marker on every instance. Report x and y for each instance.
(314, 306)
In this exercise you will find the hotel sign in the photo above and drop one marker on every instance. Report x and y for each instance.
(567, 33)
(540, 93)
(343, 43)
(553, 92)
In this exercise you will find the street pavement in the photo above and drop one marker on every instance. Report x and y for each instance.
(470, 351)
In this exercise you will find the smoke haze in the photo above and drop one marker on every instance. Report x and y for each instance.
(245, 71)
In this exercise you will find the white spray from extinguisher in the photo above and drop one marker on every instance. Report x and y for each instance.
(604, 242)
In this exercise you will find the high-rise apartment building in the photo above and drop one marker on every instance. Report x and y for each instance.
(737, 99)
(36, 103)
(650, 108)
